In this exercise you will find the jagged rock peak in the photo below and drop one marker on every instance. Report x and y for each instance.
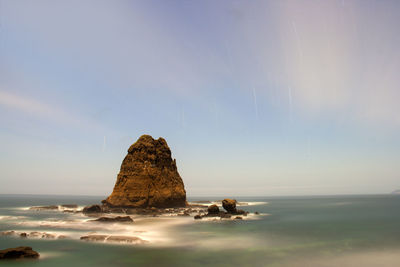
(148, 177)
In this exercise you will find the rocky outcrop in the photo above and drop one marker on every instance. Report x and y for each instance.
(18, 253)
(148, 177)
(229, 205)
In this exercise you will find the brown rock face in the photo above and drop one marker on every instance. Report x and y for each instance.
(148, 177)
(229, 205)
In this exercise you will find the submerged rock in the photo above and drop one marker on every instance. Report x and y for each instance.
(225, 216)
(96, 238)
(229, 205)
(7, 233)
(18, 253)
(34, 234)
(70, 206)
(241, 212)
(126, 239)
(148, 177)
(122, 219)
(114, 238)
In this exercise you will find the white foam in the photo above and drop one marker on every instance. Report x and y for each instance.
(12, 217)
(159, 231)
(239, 203)
(255, 203)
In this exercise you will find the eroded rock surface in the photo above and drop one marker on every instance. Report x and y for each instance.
(148, 177)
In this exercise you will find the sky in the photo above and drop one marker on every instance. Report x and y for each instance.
(255, 98)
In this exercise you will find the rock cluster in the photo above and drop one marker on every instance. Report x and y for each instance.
(229, 205)
(18, 253)
(148, 177)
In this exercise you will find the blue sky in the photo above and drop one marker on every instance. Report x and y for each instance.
(253, 97)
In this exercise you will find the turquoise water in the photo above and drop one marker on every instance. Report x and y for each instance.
(291, 231)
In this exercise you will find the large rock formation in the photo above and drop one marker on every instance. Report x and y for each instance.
(148, 177)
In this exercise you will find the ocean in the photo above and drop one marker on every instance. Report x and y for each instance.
(359, 230)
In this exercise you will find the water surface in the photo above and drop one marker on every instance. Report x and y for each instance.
(291, 231)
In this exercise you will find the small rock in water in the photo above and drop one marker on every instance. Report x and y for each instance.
(124, 219)
(68, 211)
(35, 234)
(46, 235)
(225, 216)
(7, 233)
(126, 239)
(70, 206)
(256, 213)
(92, 209)
(238, 218)
(241, 212)
(229, 205)
(18, 253)
(23, 235)
(197, 217)
(213, 209)
(94, 238)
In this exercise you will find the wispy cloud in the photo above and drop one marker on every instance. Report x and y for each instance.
(29, 106)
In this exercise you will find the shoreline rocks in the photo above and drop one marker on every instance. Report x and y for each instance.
(18, 253)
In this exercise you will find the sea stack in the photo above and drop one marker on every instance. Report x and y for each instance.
(148, 177)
